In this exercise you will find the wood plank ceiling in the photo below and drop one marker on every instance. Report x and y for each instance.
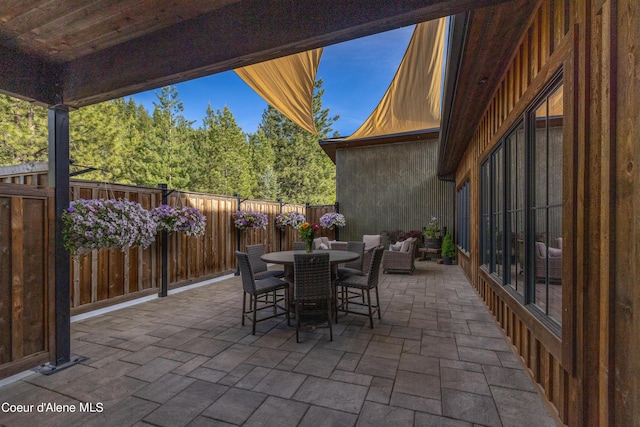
(491, 36)
(80, 52)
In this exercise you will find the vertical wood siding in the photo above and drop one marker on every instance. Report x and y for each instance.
(543, 48)
(389, 187)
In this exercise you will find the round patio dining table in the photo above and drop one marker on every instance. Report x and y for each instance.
(286, 258)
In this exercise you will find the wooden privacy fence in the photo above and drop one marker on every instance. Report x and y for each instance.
(26, 277)
(107, 277)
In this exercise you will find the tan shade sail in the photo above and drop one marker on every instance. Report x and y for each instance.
(287, 85)
(412, 101)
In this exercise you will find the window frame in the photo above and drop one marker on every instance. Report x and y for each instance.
(489, 184)
(463, 235)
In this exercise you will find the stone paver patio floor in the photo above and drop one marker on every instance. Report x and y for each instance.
(437, 358)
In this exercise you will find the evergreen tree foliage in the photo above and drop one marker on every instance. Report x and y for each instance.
(168, 150)
(96, 141)
(137, 129)
(226, 155)
(23, 132)
(304, 172)
(127, 144)
(266, 186)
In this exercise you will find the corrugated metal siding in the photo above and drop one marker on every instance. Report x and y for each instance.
(393, 186)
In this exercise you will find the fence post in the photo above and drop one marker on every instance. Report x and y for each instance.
(238, 231)
(282, 230)
(164, 249)
(336, 207)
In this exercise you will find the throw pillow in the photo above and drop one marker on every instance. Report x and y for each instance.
(405, 246)
(395, 247)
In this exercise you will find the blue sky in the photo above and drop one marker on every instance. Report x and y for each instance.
(356, 75)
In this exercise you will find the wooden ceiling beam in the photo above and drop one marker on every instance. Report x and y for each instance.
(29, 78)
(239, 34)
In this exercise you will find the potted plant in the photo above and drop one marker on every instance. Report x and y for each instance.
(432, 234)
(448, 249)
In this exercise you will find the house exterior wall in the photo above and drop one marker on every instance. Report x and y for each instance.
(391, 186)
(590, 372)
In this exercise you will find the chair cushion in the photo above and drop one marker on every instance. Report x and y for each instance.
(341, 246)
(405, 246)
(270, 284)
(269, 273)
(371, 240)
(354, 281)
(395, 247)
(343, 272)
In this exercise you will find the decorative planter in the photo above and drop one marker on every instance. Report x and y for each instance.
(447, 260)
(433, 242)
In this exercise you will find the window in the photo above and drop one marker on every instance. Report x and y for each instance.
(515, 144)
(485, 220)
(464, 219)
(546, 203)
(521, 208)
(493, 196)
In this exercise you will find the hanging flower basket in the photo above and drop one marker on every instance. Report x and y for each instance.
(186, 219)
(106, 224)
(248, 219)
(331, 220)
(289, 219)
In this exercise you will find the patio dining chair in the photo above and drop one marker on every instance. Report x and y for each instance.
(353, 267)
(263, 291)
(258, 266)
(299, 246)
(312, 291)
(362, 283)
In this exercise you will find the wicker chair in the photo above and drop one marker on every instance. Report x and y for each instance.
(371, 241)
(299, 246)
(260, 291)
(258, 266)
(555, 262)
(353, 267)
(400, 262)
(312, 288)
(362, 283)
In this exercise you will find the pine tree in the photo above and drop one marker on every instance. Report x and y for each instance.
(23, 132)
(227, 155)
(170, 147)
(96, 141)
(304, 172)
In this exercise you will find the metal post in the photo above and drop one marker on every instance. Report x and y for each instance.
(164, 290)
(237, 273)
(337, 209)
(59, 178)
(58, 127)
(281, 231)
